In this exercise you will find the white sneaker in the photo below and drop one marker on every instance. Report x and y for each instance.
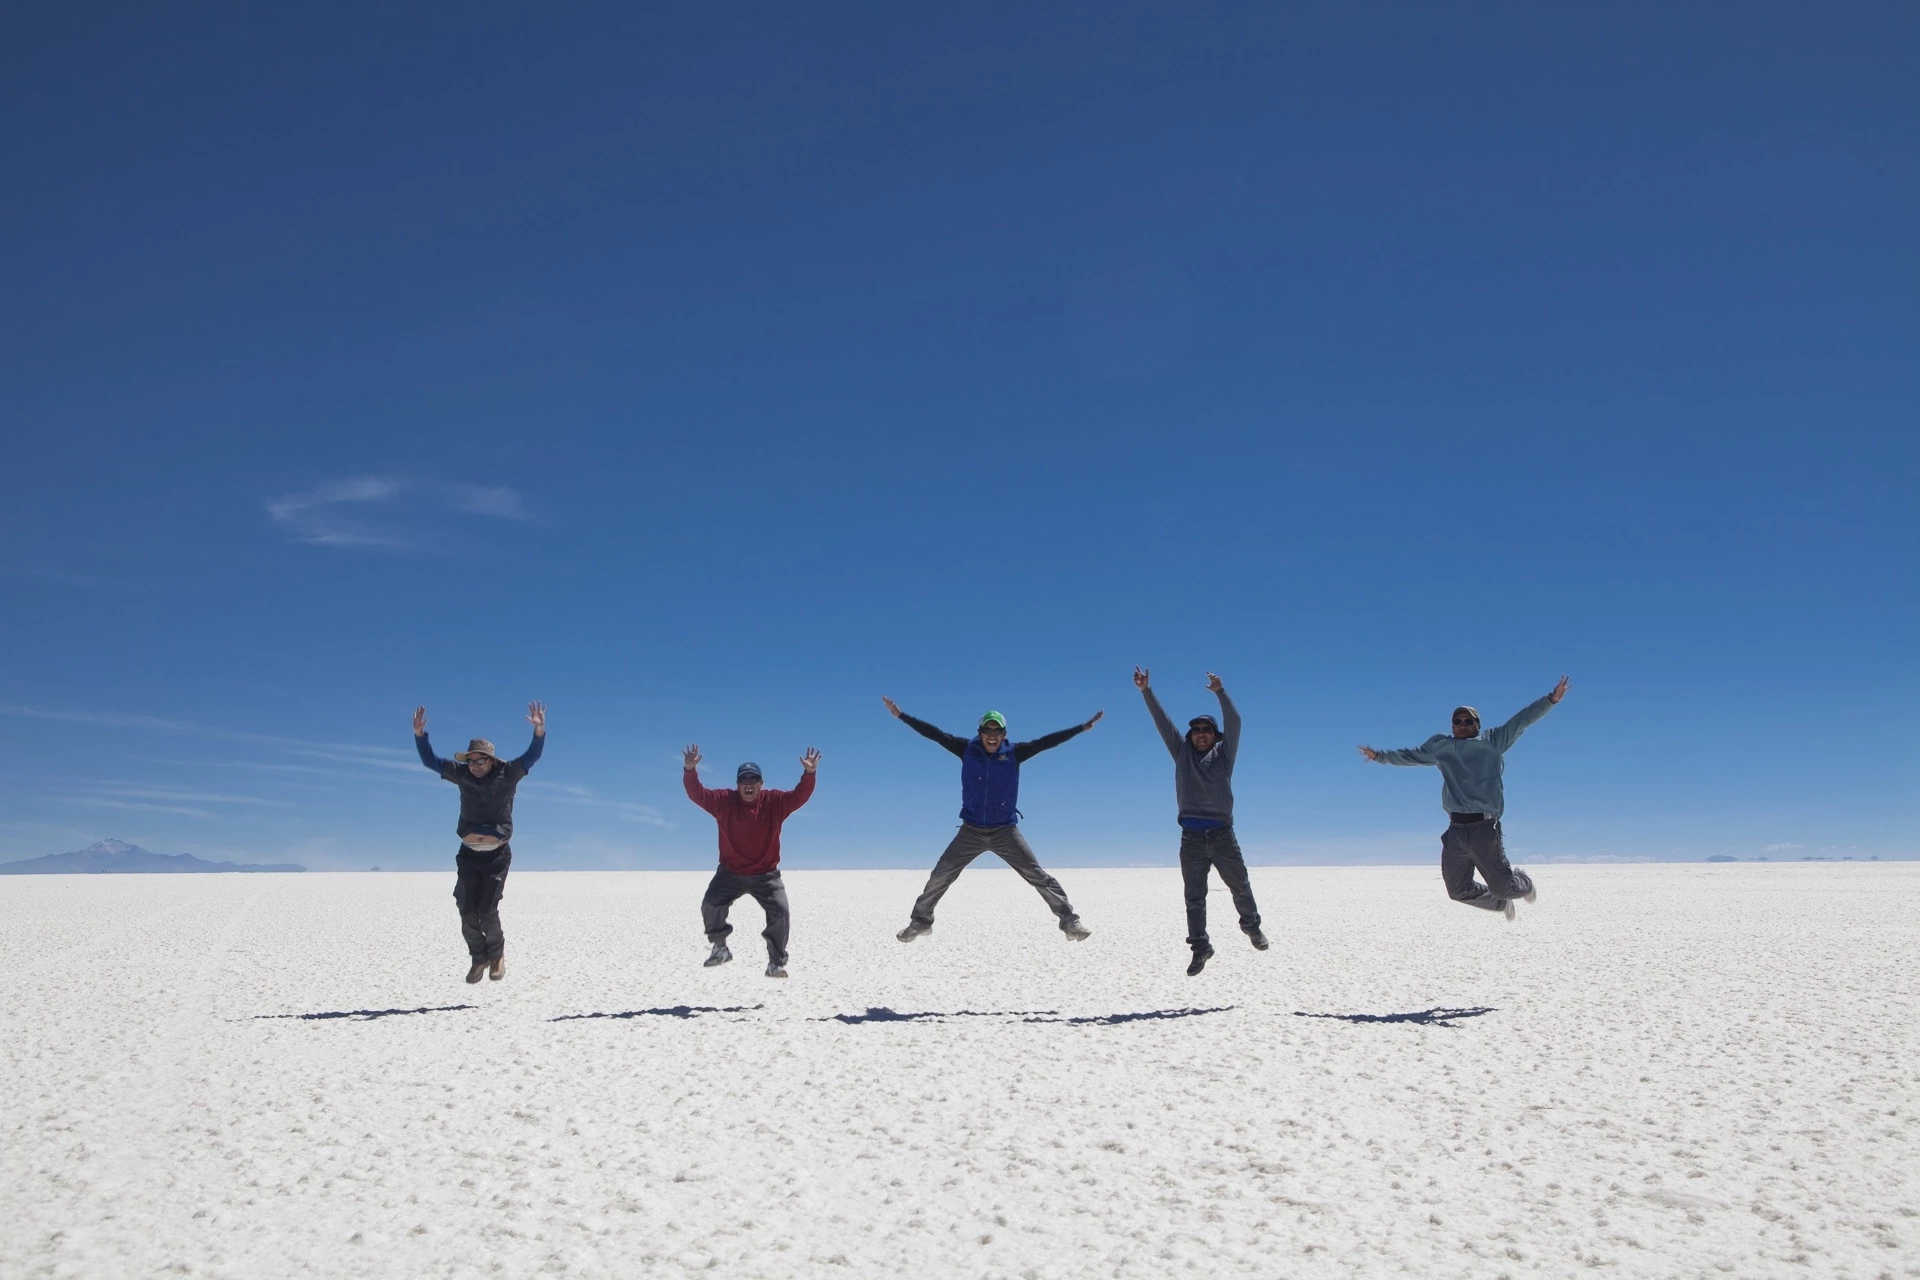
(1506, 909)
(1531, 896)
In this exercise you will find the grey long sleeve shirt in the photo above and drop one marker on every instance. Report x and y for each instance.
(1471, 768)
(1203, 784)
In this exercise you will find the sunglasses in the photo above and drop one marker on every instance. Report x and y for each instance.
(1464, 720)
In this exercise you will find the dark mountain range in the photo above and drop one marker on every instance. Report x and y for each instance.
(117, 856)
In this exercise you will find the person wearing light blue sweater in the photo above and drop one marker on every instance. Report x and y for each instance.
(1471, 764)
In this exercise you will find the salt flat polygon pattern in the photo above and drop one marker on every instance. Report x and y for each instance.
(1660, 1070)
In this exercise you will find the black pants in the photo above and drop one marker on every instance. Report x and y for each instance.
(1470, 846)
(767, 889)
(1219, 850)
(479, 881)
(969, 843)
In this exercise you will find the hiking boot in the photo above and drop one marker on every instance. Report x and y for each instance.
(1200, 957)
(775, 969)
(913, 930)
(720, 955)
(1075, 931)
(1258, 939)
(478, 971)
(498, 969)
(1506, 909)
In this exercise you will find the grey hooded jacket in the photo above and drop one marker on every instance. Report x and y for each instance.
(1203, 784)
(1471, 768)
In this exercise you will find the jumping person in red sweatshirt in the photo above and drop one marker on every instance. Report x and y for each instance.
(749, 816)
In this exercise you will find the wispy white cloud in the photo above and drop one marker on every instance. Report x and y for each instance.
(382, 757)
(369, 512)
(567, 793)
(177, 795)
(104, 802)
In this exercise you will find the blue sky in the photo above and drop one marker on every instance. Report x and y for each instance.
(709, 372)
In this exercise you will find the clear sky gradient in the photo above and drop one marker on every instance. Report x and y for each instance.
(710, 371)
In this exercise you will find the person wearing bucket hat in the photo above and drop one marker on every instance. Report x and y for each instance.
(1471, 766)
(487, 785)
(1203, 786)
(749, 816)
(989, 816)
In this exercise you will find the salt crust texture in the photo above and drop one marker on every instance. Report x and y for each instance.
(1684, 1071)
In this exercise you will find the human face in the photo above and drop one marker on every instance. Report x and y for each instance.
(1465, 727)
(479, 766)
(749, 789)
(1203, 739)
(991, 736)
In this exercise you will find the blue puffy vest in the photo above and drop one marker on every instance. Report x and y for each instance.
(989, 785)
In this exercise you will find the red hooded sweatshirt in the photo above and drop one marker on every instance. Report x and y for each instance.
(749, 833)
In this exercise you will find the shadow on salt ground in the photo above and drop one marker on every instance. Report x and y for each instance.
(363, 1015)
(671, 1011)
(1425, 1018)
(1035, 1015)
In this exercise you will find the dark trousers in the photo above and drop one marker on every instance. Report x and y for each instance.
(1470, 846)
(479, 881)
(969, 843)
(767, 889)
(1219, 850)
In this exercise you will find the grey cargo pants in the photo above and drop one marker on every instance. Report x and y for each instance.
(969, 843)
(1467, 846)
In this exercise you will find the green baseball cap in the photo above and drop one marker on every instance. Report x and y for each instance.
(993, 717)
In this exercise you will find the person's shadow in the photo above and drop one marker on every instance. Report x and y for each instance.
(1435, 1017)
(883, 1014)
(669, 1011)
(363, 1015)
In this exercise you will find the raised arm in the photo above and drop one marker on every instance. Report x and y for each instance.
(1509, 733)
(1168, 734)
(690, 775)
(424, 747)
(787, 801)
(957, 745)
(1229, 715)
(1025, 751)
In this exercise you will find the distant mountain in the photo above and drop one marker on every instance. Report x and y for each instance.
(111, 856)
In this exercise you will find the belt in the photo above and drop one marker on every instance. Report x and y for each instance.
(1469, 817)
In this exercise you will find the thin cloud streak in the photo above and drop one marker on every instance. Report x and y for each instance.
(361, 512)
(381, 756)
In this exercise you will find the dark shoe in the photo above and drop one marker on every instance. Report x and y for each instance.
(1258, 939)
(1200, 957)
(913, 930)
(498, 969)
(720, 956)
(776, 970)
(1075, 931)
(478, 971)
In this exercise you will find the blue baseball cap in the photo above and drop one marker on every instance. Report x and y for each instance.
(748, 770)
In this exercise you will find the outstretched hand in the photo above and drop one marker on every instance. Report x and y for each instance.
(1560, 690)
(1369, 753)
(690, 757)
(537, 717)
(419, 722)
(811, 760)
(891, 705)
(1096, 720)
(1213, 683)
(1140, 679)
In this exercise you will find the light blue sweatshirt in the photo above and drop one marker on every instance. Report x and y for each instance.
(1470, 768)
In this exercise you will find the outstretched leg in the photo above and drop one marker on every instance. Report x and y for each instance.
(771, 893)
(1018, 854)
(967, 844)
(1488, 846)
(722, 892)
(1232, 866)
(1194, 866)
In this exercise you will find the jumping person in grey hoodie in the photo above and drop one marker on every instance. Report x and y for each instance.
(1203, 785)
(1471, 764)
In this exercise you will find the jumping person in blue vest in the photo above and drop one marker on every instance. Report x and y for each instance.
(989, 815)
